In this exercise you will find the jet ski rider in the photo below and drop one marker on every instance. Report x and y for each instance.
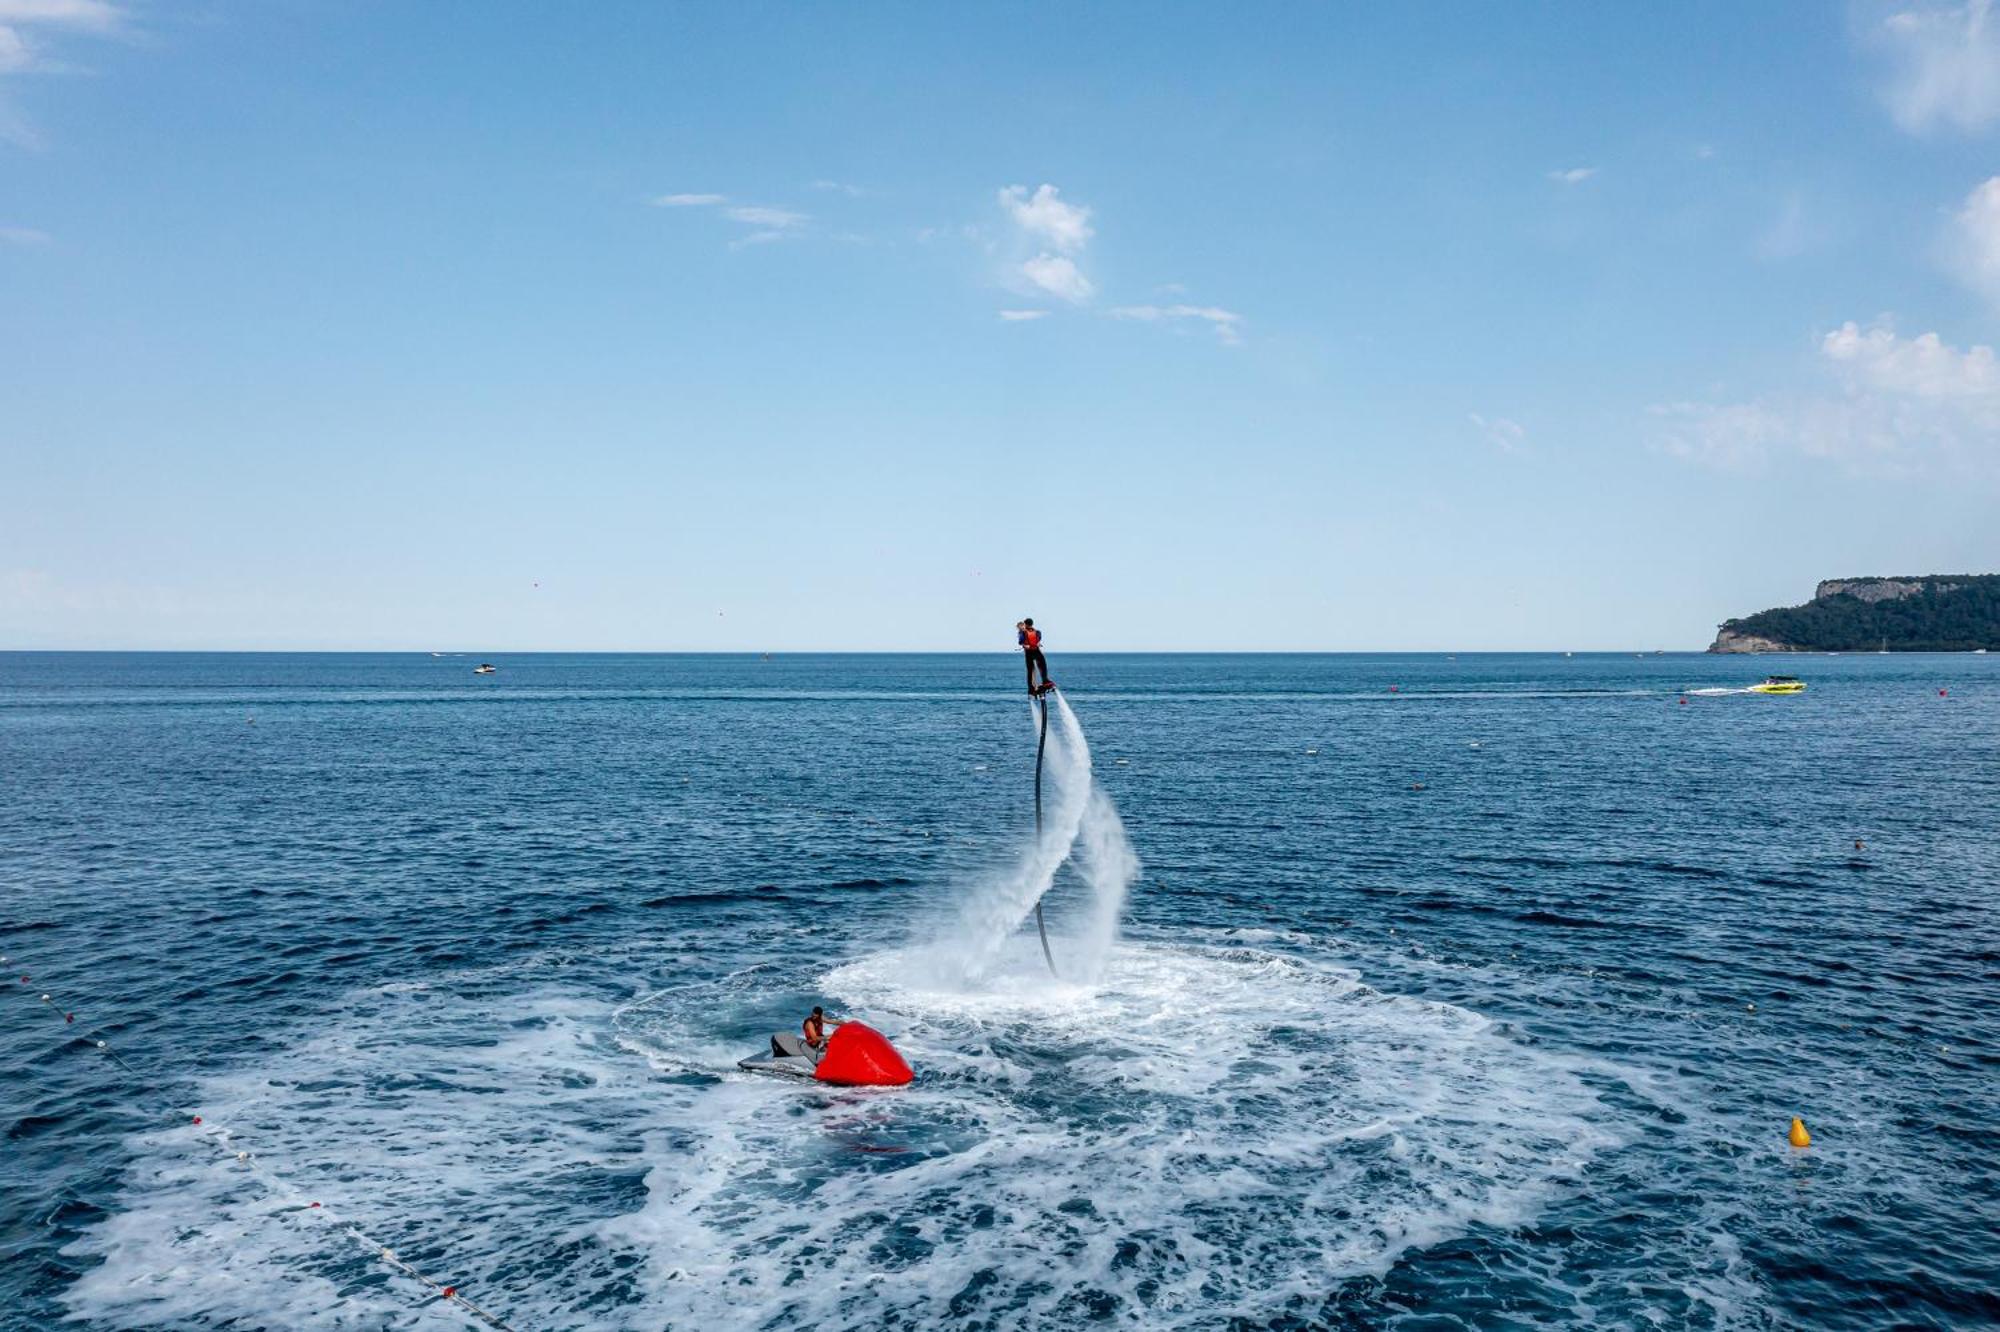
(1030, 640)
(817, 1031)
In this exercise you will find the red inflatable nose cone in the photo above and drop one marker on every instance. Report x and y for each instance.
(860, 1056)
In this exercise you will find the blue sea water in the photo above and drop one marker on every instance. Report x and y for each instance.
(1450, 993)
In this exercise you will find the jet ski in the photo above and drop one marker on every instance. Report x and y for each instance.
(856, 1055)
(788, 1057)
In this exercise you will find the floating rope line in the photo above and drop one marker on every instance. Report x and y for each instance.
(1041, 743)
(147, 1095)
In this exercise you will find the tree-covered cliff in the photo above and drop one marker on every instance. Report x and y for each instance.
(1939, 613)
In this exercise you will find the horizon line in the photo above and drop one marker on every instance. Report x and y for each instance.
(861, 652)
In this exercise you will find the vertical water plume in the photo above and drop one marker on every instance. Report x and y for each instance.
(1075, 812)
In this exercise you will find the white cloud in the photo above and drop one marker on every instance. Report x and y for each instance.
(1228, 325)
(766, 224)
(84, 15)
(1503, 434)
(1064, 228)
(1898, 404)
(1944, 66)
(839, 187)
(1976, 239)
(19, 17)
(775, 219)
(1060, 231)
(22, 24)
(1573, 175)
(1059, 276)
(23, 236)
(1920, 367)
(1022, 316)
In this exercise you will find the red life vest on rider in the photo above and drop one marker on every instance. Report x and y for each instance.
(1034, 638)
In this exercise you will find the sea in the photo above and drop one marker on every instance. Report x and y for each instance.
(1419, 991)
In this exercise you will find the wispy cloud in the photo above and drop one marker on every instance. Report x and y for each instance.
(1898, 405)
(1944, 65)
(1793, 231)
(839, 187)
(24, 26)
(766, 222)
(1022, 316)
(1503, 434)
(23, 236)
(776, 219)
(1572, 175)
(1227, 324)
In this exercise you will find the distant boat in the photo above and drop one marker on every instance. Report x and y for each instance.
(1780, 684)
(1979, 652)
(437, 654)
(484, 668)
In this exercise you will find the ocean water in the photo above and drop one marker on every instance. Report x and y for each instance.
(1396, 991)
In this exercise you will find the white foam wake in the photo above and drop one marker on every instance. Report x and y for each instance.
(1207, 1134)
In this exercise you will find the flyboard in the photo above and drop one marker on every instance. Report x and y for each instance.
(856, 1055)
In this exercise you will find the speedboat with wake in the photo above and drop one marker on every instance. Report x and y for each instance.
(1780, 684)
(856, 1055)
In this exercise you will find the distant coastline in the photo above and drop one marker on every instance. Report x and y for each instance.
(1933, 613)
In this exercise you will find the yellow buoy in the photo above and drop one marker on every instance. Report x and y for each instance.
(1798, 1137)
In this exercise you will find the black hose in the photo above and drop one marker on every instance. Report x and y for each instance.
(1041, 700)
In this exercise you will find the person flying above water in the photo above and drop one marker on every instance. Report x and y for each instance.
(1030, 640)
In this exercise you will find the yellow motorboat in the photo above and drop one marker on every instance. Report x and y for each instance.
(1780, 684)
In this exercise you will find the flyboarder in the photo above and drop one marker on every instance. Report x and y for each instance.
(1030, 640)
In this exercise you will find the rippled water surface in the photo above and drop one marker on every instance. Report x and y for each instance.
(1450, 993)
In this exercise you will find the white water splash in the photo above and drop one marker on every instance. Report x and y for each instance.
(1110, 866)
(1076, 814)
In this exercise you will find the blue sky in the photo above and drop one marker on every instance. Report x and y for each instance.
(497, 326)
